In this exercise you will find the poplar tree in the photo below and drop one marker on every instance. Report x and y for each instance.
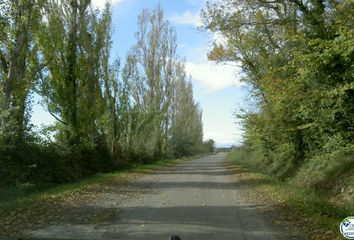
(74, 48)
(18, 66)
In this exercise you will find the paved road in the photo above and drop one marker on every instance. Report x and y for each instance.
(199, 199)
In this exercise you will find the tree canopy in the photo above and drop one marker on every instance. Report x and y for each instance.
(107, 114)
(298, 56)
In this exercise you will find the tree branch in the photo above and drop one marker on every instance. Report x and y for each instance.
(57, 118)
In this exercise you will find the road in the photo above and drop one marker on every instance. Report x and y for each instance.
(198, 199)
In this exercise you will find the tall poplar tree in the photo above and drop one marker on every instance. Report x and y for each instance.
(18, 65)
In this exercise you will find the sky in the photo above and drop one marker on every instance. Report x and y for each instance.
(217, 87)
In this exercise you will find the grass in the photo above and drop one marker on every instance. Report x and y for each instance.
(303, 204)
(21, 195)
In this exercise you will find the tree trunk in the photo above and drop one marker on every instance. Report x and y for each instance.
(71, 79)
(15, 89)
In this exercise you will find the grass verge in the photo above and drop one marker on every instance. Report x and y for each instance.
(312, 212)
(14, 197)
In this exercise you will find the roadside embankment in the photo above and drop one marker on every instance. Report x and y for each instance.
(318, 212)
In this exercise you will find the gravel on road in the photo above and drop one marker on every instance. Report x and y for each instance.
(205, 198)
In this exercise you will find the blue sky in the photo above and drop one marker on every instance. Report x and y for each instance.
(216, 87)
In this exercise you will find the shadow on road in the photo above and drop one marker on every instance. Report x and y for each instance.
(144, 185)
(208, 222)
(197, 200)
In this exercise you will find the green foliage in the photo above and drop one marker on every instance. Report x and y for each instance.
(298, 58)
(165, 120)
(71, 45)
(209, 145)
(105, 118)
(18, 66)
(301, 202)
(324, 167)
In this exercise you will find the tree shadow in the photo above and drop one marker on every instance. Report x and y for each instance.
(200, 222)
(197, 172)
(190, 222)
(240, 184)
(104, 221)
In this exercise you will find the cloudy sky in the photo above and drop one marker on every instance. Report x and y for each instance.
(216, 87)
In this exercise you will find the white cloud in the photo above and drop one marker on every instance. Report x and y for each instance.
(101, 3)
(214, 76)
(187, 18)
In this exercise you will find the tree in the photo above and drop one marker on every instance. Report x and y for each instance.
(74, 45)
(289, 51)
(165, 121)
(150, 76)
(209, 145)
(18, 66)
(106, 116)
(186, 127)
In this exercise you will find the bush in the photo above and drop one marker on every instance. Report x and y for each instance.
(49, 164)
(321, 170)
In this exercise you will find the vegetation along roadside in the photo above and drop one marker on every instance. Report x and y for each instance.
(315, 212)
(21, 209)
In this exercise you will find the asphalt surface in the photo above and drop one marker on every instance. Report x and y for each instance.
(199, 199)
